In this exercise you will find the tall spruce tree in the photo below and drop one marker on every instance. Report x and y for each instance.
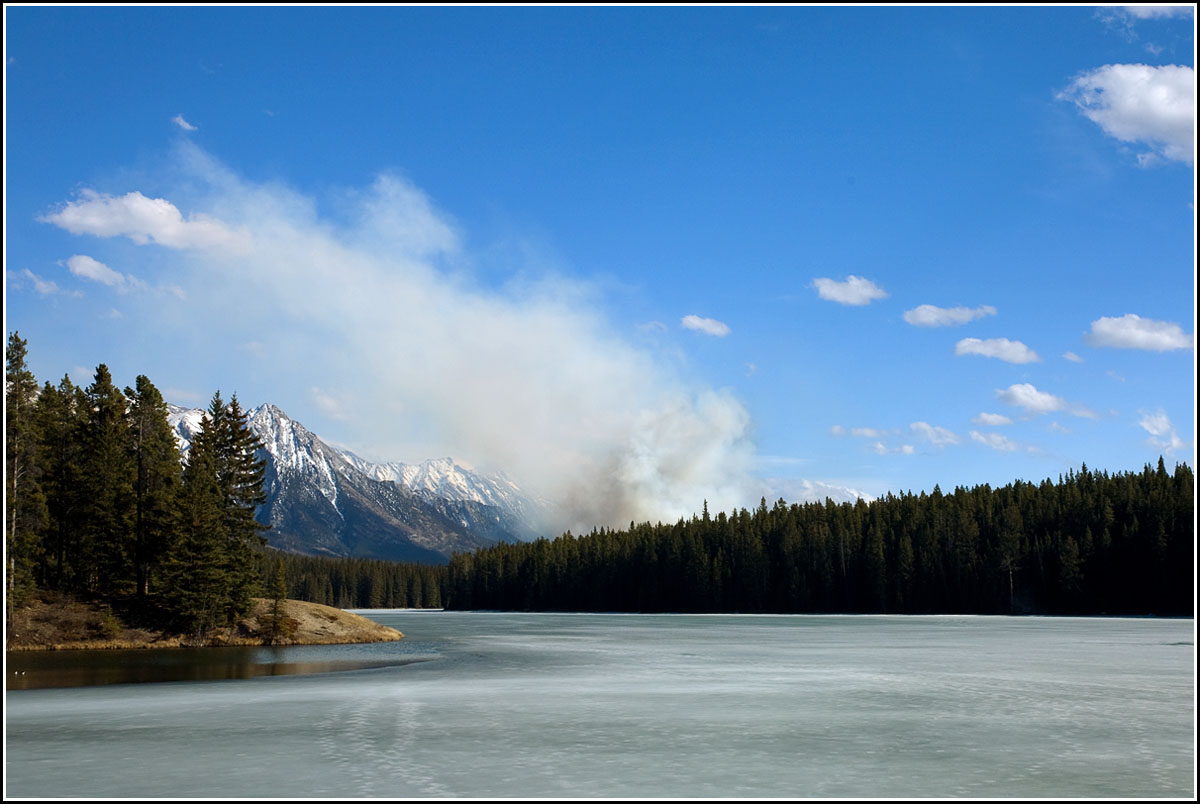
(107, 481)
(156, 484)
(279, 626)
(25, 504)
(196, 581)
(58, 411)
(240, 473)
(213, 569)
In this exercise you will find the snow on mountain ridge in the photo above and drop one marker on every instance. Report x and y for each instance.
(186, 423)
(294, 448)
(444, 478)
(296, 451)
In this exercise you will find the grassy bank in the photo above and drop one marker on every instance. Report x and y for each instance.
(58, 622)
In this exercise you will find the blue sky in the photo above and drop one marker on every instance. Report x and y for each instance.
(635, 257)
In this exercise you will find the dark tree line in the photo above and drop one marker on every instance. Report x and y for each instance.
(356, 583)
(1090, 543)
(99, 503)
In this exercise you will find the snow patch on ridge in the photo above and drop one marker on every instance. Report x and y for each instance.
(295, 453)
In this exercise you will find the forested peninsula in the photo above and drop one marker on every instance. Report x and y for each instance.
(111, 540)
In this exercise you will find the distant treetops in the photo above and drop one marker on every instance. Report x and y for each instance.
(1091, 543)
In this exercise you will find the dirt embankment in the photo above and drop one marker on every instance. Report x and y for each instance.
(64, 624)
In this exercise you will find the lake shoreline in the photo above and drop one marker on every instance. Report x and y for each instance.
(72, 625)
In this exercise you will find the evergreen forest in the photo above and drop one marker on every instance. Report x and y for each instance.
(1092, 543)
(99, 504)
(356, 583)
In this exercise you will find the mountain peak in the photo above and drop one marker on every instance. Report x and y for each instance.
(268, 412)
(327, 500)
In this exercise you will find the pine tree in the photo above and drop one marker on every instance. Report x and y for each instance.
(1009, 547)
(58, 411)
(106, 482)
(25, 504)
(279, 626)
(196, 582)
(214, 569)
(240, 472)
(158, 470)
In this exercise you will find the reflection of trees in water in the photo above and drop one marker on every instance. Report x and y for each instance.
(29, 670)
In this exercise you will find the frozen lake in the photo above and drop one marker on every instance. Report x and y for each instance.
(559, 705)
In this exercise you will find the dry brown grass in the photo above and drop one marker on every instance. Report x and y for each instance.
(58, 622)
(315, 624)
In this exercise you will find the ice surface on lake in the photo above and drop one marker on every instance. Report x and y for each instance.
(525, 705)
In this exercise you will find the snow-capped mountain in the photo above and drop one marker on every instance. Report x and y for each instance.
(186, 423)
(442, 477)
(321, 500)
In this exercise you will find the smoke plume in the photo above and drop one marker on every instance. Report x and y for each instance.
(373, 313)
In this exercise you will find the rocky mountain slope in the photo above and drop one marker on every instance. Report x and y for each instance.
(324, 501)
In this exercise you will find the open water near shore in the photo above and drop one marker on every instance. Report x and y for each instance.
(559, 705)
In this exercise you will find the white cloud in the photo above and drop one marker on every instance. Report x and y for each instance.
(84, 266)
(1157, 423)
(928, 315)
(751, 369)
(882, 449)
(43, 286)
(532, 377)
(1155, 106)
(995, 441)
(991, 420)
(837, 430)
(1074, 358)
(709, 326)
(938, 436)
(999, 348)
(1035, 402)
(652, 326)
(1157, 12)
(1055, 427)
(854, 291)
(1131, 331)
(183, 124)
(1162, 432)
(144, 220)
(866, 432)
(1024, 395)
